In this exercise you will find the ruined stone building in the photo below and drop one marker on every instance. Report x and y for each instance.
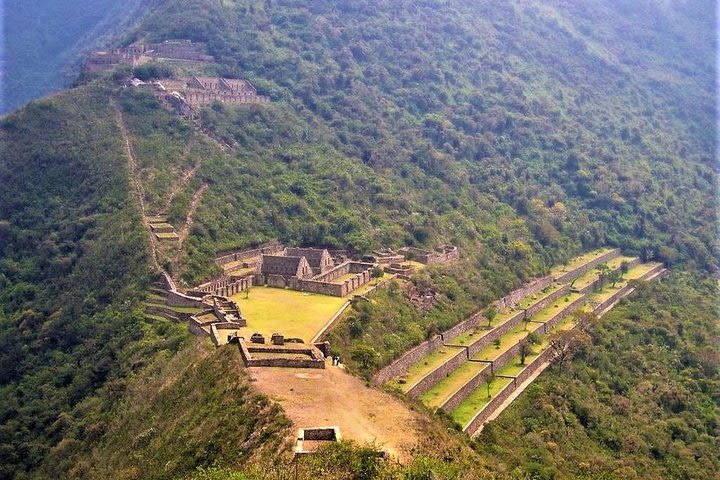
(286, 267)
(205, 90)
(319, 259)
(138, 53)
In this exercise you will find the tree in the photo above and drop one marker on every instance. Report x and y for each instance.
(488, 382)
(490, 313)
(365, 355)
(615, 276)
(525, 350)
(565, 344)
(602, 271)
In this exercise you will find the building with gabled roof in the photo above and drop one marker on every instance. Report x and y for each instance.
(285, 266)
(319, 258)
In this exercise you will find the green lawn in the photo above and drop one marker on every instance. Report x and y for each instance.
(294, 314)
(591, 275)
(437, 395)
(632, 274)
(477, 400)
(548, 312)
(425, 366)
(491, 352)
(529, 300)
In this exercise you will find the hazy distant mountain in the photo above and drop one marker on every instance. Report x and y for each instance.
(43, 40)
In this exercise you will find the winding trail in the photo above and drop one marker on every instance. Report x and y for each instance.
(184, 179)
(189, 218)
(135, 180)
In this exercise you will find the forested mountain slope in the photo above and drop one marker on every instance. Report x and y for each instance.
(44, 39)
(524, 132)
(594, 120)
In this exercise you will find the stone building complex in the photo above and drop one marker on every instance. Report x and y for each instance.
(314, 270)
(139, 53)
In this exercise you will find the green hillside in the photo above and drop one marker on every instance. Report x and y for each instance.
(523, 132)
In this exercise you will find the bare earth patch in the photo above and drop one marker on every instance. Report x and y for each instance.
(332, 397)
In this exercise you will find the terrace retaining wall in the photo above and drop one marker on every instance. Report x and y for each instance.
(437, 374)
(404, 361)
(463, 392)
(518, 294)
(475, 320)
(481, 417)
(545, 302)
(496, 333)
(177, 299)
(592, 286)
(562, 314)
(576, 272)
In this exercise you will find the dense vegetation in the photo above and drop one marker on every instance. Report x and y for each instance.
(594, 122)
(72, 271)
(642, 400)
(43, 41)
(524, 132)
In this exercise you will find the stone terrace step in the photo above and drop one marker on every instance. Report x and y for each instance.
(510, 345)
(456, 385)
(420, 380)
(583, 264)
(473, 411)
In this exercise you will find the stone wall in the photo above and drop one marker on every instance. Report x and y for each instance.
(270, 248)
(576, 272)
(562, 314)
(547, 301)
(495, 333)
(225, 286)
(315, 357)
(481, 417)
(463, 392)
(177, 299)
(473, 321)
(362, 276)
(203, 97)
(404, 361)
(512, 298)
(440, 372)
(195, 328)
(166, 312)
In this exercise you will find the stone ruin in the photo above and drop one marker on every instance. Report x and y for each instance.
(185, 96)
(279, 353)
(442, 254)
(219, 320)
(303, 269)
(139, 53)
(310, 439)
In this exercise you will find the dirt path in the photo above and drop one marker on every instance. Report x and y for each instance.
(186, 176)
(332, 397)
(191, 211)
(135, 180)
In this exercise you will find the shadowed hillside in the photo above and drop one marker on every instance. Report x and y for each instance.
(44, 41)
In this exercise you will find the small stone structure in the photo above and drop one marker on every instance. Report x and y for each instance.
(440, 255)
(309, 439)
(401, 269)
(290, 355)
